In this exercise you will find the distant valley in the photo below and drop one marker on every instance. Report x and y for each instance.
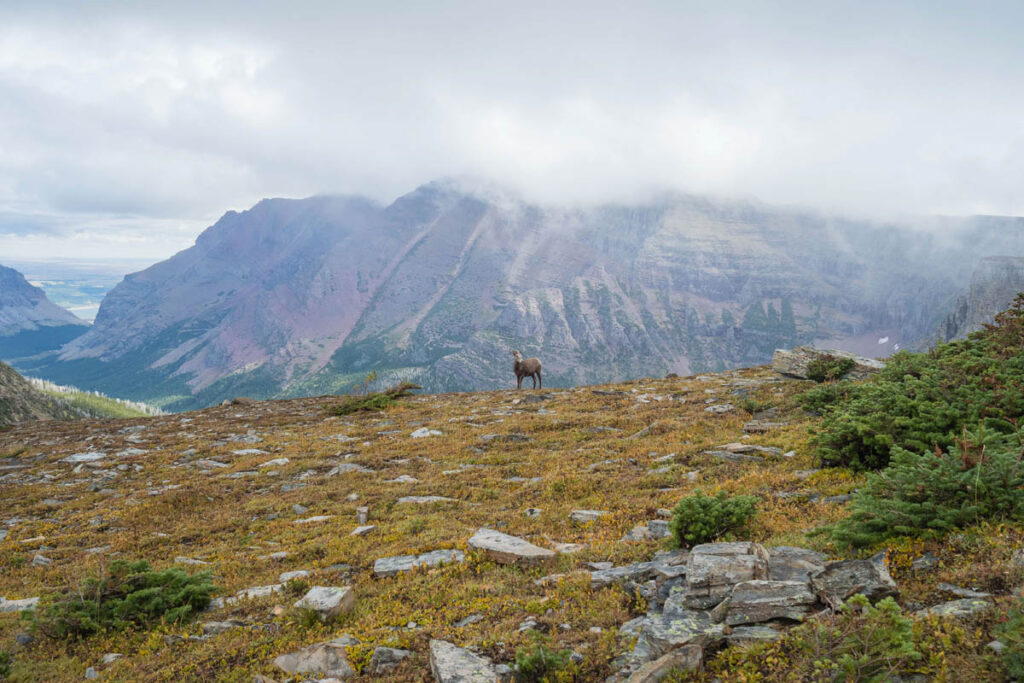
(300, 297)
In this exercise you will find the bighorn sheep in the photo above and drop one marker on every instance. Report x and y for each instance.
(526, 368)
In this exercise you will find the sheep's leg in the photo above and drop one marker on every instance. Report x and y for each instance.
(534, 378)
(540, 380)
(519, 382)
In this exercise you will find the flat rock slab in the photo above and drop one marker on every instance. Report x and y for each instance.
(420, 500)
(452, 664)
(91, 456)
(686, 658)
(714, 568)
(23, 605)
(751, 635)
(841, 580)
(385, 659)
(660, 634)
(753, 602)
(788, 563)
(328, 659)
(637, 572)
(964, 607)
(328, 601)
(390, 566)
(587, 516)
(506, 549)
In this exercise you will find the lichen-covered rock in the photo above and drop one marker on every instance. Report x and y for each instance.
(841, 580)
(714, 568)
(452, 664)
(328, 659)
(751, 635)
(686, 658)
(660, 634)
(964, 607)
(385, 659)
(753, 602)
(390, 566)
(506, 549)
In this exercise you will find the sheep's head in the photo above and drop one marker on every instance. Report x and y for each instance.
(518, 356)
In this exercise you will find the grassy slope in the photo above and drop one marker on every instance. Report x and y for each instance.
(99, 406)
(170, 509)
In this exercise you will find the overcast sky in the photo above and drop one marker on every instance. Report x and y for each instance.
(127, 127)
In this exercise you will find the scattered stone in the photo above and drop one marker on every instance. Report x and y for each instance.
(794, 362)
(964, 607)
(23, 605)
(215, 628)
(299, 509)
(471, 619)
(761, 427)
(278, 556)
(90, 456)
(587, 516)
(314, 519)
(424, 432)
(637, 534)
(720, 408)
(391, 566)
(363, 530)
(926, 562)
(661, 634)
(249, 451)
(961, 592)
(24, 639)
(747, 448)
(734, 457)
(276, 462)
(752, 635)
(506, 549)
(752, 602)
(841, 580)
(323, 658)
(327, 601)
(91, 674)
(402, 479)
(386, 659)
(631, 573)
(420, 500)
(297, 574)
(505, 438)
(41, 561)
(996, 646)
(452, 664)
(345, 468)
(362, 514)
(686, 658)
(532, 512)
(659, 527)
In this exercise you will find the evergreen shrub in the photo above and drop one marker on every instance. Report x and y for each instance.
(700, 518)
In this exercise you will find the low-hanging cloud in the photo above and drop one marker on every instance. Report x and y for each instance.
(124, 119)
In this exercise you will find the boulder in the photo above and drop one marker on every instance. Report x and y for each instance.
(753, 602)
(587, 516)
(636, 572)
(452, 664)
(686, 658)
(841, 580)
(506, 549)
(328, 601)
(714, 568)
(752, 635)
(661, 634)
(793, 363)
(327, 659)
(23, 605)
(787, 563)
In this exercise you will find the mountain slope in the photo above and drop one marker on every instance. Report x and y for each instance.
(19, 401)
(994, 284)
(305, 296)
(29, 322)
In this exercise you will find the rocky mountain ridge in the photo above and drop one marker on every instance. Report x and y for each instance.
(299, 297)
(29, 322)
(994, 284)
(20, 402)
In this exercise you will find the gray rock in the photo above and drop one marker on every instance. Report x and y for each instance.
(24, 639)
(91, 674)
(362, 514)
(793, 363)
(385, 659)
(532, 512)
(110, 657)
(636, 572)
(297, 574)
(926, 562)
(841, 580)
(752, 602)
(41, 561)
(686, 658)
(752, 635)
(659, 528)
(452, 664)
(506, 549)
(660, 634)
(587, 516)
(961, 592)
(363, 530)
(720, 408)
(996, 646)
(787, 563)
(714, 568)
(729, 456)
(964, 607)
(90, 456)
(419, 500)
(638, 533)
(213, 628)
(471, 619)
(390, 566)
(23, 605)
(505, 438)
(328, 601)
(328, 659)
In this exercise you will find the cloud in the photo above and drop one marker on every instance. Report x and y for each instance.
(157, 114)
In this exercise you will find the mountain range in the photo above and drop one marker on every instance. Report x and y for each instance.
(29, 322)
(298, 297)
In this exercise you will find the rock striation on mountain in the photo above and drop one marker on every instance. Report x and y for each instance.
(298, 297)
(994, 284)
(29, 322)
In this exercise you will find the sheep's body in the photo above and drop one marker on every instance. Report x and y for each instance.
(529, 367)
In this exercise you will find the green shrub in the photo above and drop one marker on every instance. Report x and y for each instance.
(828, 368)
(934, 493)
(752, 405)
(378, 400)
(860, 643)
(700, 518)
(296, 587)
(5, 663)
(540, 664)
(922, 400)
(821, 398)
(129, 594)
(1011, 634)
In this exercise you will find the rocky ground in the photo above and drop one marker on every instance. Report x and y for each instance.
(432, 540)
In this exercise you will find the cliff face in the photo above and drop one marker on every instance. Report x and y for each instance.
(19, 401)
(994, 284)
(306, 296)
(30, 322)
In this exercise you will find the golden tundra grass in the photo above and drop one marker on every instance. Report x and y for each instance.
(168, 510)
